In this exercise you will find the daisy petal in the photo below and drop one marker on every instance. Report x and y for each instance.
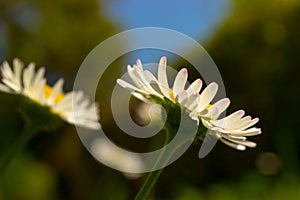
(18, 66)
(57, 88)
(221, 105)
(195, 87)
(249, 132)
(229, 119)
(247, 124)
(233, 145)
(28, 76)
(6, 70)
(162, 77)
(192, 101)
(207, 96)
(3, 88)
(37, 80)
(180, 81)
(181, 97)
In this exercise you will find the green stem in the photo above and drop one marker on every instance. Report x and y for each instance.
(153, 176)
(26, 135)
(149, 183)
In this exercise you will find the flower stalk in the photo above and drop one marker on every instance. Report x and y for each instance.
(37, 119)
(27, 134)
(153, 175)
(174, 112)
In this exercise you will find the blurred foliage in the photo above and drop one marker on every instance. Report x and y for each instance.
(265, 188)
(27, 176)
(256, 50)
(57, 34)
(260, 44)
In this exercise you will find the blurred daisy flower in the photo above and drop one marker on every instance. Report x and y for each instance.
(231, 130)
(73, 107)
(118, 158)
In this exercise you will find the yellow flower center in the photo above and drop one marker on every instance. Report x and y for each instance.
(173, 98)
(172, 94)
(48, 91)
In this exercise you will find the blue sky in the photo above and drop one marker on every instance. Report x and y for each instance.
(198, 19)
(195, 18)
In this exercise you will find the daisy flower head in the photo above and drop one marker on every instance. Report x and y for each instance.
(33, 85)
(231, 130)
(148, 88)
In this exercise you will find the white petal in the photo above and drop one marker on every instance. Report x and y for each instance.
(39, 91)
(182, 98)
(128, 86)
(221, 105)
(146, 84)
(242, 142)
(247, 123)
(37, 80)
(85, 103)
(225, 122)
(11, 84)
(141, 83)
(180, 81)
(6, 70)
(28, 76)
(249, 132)
(152, 80)
(139, 64)
(141, 97)
(233, 145)
(235, 116)
(65, 103)
(233, 123)
(207, 123)
(133, 76)
(77, 97)
(149, 76)
(116, 157)
(140, 73)
(3, 88)
(192, 102)
(207, 96)
(209, 113)
(195, 87)
(162, 77)
(18, 66)
(57, 88)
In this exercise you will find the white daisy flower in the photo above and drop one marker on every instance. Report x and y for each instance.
(233, 129)
(146, 91)
(32, 84)
(118, 158)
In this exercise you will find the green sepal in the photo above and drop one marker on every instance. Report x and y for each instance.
(39, 115)
(201, 133)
